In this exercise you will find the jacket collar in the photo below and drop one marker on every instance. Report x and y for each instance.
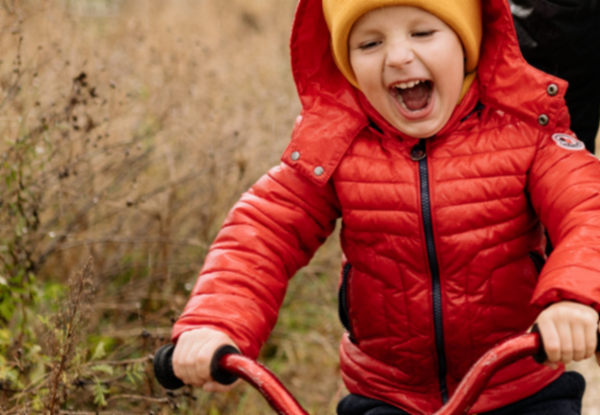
(334, 112)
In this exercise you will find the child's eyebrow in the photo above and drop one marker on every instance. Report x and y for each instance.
(367, 31)
(422, 20)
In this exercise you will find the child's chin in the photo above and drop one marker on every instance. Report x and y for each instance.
(416, 129)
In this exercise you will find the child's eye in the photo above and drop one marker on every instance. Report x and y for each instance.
(423, 33)
(369, 45)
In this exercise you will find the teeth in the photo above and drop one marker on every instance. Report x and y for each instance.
(401, 101)
(405, 85)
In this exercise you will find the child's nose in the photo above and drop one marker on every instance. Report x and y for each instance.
(399, 54)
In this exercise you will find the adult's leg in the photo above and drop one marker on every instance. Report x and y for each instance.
(561, 397)
(359, 405)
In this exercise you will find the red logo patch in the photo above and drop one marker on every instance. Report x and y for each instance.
(568, 142)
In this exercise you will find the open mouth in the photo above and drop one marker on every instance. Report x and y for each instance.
(414, 96)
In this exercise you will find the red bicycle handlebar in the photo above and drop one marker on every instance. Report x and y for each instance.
(264, 381)
(465, 396)
(227, 364)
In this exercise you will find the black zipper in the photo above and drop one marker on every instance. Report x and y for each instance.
(419, 154)
(343, 306)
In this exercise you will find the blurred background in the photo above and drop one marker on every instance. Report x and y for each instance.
(127, 130)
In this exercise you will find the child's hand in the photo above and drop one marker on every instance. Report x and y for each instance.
(569, 331)
(192, 356)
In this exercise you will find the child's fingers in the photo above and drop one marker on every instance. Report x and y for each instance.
(591, 336)
(550, 339)
(204, 359)
(185, 363)
(566, 342)
(598, 353)
(193, 354)
(199, 367)
(580, 342)
(182, 349)
(193, 370)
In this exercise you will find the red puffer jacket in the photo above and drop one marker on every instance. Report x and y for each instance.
(442, 237)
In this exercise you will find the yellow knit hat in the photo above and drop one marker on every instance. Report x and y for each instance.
(463, 16)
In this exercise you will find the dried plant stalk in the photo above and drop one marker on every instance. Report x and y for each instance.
(66, 329)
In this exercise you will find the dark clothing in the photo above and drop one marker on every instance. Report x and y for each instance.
(562, 38)
(561, 397)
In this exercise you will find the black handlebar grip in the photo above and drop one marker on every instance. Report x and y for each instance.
(219, 375)
(163, 368)
(541, 356)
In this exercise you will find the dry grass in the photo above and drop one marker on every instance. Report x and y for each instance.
(184, 104)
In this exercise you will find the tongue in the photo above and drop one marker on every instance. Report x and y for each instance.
(415, 98)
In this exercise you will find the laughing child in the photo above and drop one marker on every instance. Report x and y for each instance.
(445, 155)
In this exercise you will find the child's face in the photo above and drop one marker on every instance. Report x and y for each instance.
(410, 66)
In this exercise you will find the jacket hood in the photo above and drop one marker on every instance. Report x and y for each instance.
(334, 112)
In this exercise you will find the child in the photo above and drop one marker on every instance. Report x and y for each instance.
(443, 163)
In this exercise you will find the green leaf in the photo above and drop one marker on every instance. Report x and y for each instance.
(99, 391)
(5, 337)
(38, 371)
(35, 350)
(7, 309)
(37, 404)
(134, 373)
(103, 368)
(99, 353)
(8, 373)
(45, 320)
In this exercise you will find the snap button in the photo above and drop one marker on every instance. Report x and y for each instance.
(319, 170)
(417, 153)
(552, 89)
(543, 120)
(295, 156)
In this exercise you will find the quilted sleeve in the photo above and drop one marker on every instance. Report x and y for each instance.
(564, 184)
(268, 235)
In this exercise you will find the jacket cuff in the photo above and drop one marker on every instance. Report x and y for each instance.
(227, 315)
(577, 284)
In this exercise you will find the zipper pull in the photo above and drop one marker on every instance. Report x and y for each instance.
(418, 152)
